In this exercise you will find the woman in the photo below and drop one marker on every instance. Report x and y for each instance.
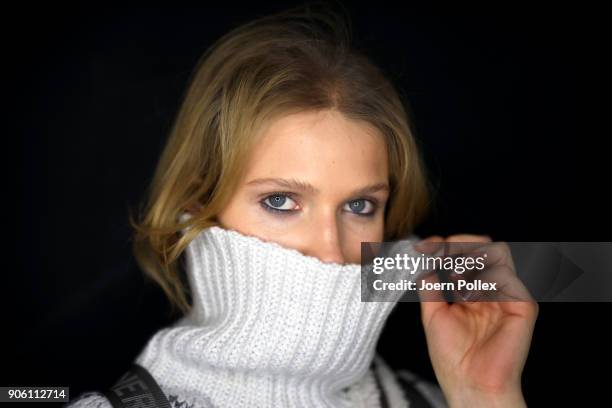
(290, 149)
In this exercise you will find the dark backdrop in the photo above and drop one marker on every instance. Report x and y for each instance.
(504, 104)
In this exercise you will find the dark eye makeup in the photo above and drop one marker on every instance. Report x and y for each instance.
(277, 199)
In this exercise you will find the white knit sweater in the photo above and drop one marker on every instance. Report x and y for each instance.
(269, 327)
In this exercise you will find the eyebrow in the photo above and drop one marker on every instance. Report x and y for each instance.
(303, 186)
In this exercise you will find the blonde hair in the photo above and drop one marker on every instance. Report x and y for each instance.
(295, 60)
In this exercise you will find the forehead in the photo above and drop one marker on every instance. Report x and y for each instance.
(318, 145)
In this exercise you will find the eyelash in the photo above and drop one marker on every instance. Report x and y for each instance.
(289, 195)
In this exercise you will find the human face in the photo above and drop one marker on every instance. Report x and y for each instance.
(316, 182)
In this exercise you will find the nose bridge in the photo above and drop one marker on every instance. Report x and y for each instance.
(325, 237)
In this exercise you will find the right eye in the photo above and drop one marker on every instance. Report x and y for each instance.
(279, 202)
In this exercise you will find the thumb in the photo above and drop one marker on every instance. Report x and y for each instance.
(432, 300)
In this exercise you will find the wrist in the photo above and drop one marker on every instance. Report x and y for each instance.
(474, 398)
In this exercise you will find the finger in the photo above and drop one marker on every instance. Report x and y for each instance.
(508, 286)
(493, 254)
(468, 246)
(468, 238)
(430, 245)
(461, 244)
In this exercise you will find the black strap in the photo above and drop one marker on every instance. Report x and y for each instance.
(384, 401)
(416, 398)
(412, 394)
(137, 389)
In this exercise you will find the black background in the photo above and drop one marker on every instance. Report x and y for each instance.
(505, 104)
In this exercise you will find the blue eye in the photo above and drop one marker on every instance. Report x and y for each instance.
(358, 206)
(278, 203)
(282, 203)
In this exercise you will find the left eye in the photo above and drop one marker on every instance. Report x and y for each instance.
(361, 207)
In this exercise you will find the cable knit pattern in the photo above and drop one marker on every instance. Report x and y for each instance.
(269, 327)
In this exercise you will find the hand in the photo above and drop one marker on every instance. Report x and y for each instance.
(478, 348)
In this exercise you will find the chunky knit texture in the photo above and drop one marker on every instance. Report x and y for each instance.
(269, 327)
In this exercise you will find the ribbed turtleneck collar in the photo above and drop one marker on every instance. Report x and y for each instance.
(269, 326)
